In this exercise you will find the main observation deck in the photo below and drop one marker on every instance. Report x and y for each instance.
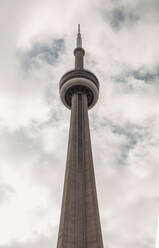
(79, 80)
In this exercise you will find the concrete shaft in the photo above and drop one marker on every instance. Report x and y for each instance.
(80, 223)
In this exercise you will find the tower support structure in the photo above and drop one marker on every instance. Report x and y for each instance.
(80, 223)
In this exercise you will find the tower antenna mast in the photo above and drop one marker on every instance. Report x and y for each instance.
(79, 38)
(78, 28)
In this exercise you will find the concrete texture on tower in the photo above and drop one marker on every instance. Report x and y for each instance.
(80, 223)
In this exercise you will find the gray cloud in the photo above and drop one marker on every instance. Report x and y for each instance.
(142, 74)
(42, 53)
(148, 77)
(120, 18)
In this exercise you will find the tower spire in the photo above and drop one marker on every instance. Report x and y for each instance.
(79, 51)
(79, 38)
(78, 28)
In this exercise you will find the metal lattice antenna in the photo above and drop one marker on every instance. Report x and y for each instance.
(79, 39)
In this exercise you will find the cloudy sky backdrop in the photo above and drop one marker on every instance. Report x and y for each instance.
(121, 39)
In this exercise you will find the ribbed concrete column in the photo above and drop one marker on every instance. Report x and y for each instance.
(80, 223)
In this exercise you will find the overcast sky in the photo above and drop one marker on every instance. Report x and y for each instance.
(121, 39)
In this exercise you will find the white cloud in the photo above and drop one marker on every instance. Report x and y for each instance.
(34, 124)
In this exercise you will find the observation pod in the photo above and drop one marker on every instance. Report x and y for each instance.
(80, 222)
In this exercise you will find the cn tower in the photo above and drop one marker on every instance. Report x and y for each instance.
(80, 223)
